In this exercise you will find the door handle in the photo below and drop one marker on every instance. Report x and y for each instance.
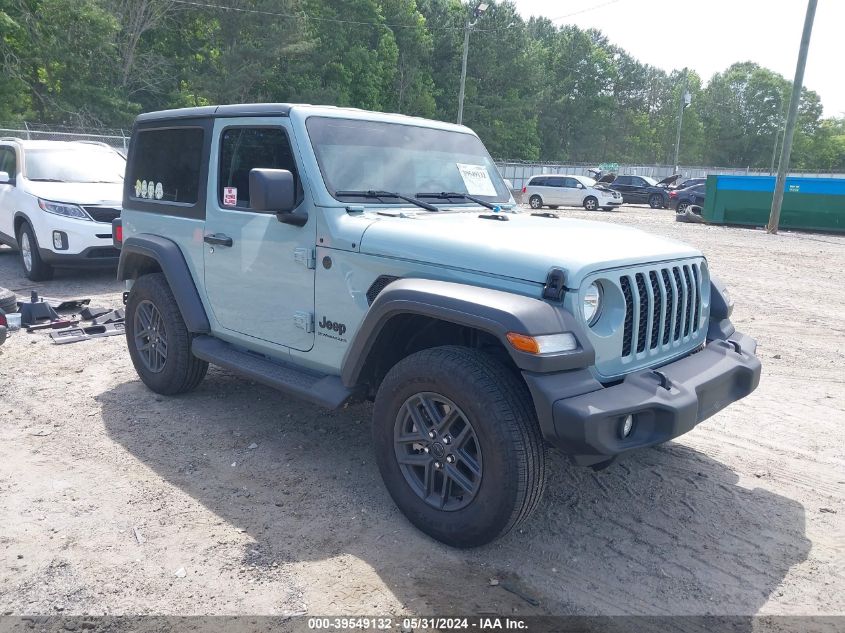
(218, 239)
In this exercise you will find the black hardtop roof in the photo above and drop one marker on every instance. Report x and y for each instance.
(210, 112)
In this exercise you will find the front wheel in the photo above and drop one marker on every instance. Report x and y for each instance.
(34, 267)
(158, 340)
(535, 202)
(656, 201)
(591, 203)
(458, 445)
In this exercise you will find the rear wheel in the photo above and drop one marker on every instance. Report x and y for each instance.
(458, 445)
(33, 266)
(535, 201)
(655, 201)
(591, 203)
(159, 343)
(682, 206)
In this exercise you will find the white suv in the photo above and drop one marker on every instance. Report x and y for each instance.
(57, 202)
(569, 191)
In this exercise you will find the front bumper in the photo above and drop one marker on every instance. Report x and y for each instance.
(105, 256)
(666, 402)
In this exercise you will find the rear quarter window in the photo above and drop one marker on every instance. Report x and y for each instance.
(167, 165)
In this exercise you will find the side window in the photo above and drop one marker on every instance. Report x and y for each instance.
(570, 183)
(638, 182)
(7, 161)
(556, 182)
(245, 148)
(166, 165)
(538, 182)
(622, 180)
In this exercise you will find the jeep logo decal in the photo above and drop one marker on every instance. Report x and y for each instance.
(340, 328)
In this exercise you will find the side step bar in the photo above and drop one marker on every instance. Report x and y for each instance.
(320, 389)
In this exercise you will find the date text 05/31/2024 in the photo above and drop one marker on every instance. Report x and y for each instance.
(414, 624)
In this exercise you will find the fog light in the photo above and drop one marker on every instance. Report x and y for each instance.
(627, 426)
(60, 240)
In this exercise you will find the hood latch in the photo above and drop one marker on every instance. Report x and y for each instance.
(555, 285)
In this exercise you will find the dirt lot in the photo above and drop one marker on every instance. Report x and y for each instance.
(237, 500)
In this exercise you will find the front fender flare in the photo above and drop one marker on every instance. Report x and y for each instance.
(172, 262)
(493, 311)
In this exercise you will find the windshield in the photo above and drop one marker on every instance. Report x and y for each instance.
(365, 156)
(75, 164)
(651, 181)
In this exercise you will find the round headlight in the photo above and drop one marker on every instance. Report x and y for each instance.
(592, 304)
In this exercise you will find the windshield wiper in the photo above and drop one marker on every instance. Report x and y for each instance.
(388, 194)
(46, 180)
(445, 195)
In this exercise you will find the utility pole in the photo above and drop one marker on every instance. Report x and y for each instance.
(791, 117)
(480, 8)
(777, 138)
(686, 99)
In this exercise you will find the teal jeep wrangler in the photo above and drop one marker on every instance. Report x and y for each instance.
(339, 255)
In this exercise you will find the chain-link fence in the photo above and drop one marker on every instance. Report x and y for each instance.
(117, 138)
(518, 172)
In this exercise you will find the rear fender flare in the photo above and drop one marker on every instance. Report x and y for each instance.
(135, 255)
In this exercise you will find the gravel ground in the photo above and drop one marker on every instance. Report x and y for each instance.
(237, 500)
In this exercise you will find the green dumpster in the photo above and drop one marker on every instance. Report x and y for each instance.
(809, 204)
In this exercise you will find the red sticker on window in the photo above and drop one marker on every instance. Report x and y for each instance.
(230, 196)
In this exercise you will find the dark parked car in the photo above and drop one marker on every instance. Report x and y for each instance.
(680, 199)
(641, 189)
(690, 182)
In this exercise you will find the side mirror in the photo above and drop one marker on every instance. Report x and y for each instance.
(4, 178)
(581, 185)
(274, 191)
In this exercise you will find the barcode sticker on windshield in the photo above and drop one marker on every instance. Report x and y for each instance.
(476, 180)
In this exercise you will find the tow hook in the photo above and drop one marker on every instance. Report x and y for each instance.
(664, 380)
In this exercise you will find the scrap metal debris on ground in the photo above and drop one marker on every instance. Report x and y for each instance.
(42, 313)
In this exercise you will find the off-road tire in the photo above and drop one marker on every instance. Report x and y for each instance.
(8, 301)
(38, 270)
(655, 201)
(535, 202)
(181, 371)
(591, 203)
(499, 408)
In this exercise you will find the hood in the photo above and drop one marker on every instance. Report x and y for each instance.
(525, 247)
(78, 192)
(602, 177)
(668, 181)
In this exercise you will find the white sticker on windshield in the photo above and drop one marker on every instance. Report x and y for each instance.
(476, 180)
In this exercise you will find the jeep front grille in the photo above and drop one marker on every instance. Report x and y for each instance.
(662, 307)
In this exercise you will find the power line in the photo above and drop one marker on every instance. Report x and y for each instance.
(303, 16)
(580, 11)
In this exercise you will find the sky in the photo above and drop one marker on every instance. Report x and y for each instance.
(710, 35)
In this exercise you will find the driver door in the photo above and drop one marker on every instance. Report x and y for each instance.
(259, 272)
